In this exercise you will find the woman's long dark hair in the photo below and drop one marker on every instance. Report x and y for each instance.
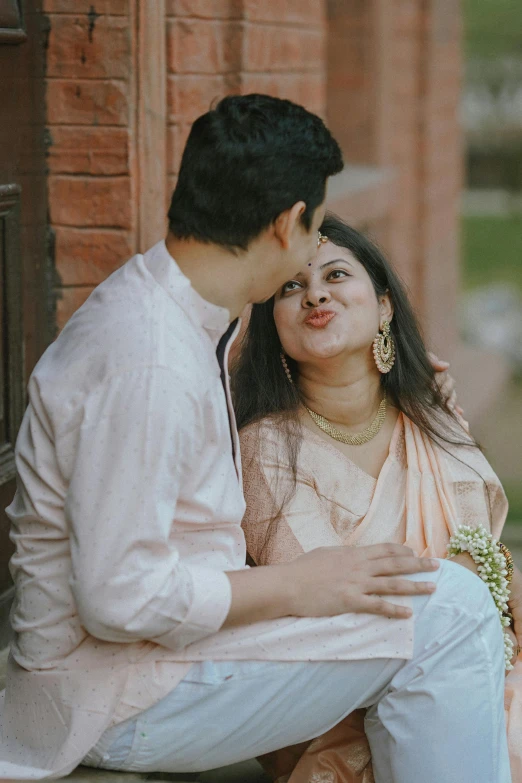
(261, 388)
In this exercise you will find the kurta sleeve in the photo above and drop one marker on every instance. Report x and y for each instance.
(132, 453)
(286, 515)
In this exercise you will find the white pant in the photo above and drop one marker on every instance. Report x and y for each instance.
(437, 717)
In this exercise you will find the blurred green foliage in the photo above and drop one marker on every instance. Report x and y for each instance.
(514, 493)
(493, 28)
(492, 249)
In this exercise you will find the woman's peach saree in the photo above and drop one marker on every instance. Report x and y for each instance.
(422, 495)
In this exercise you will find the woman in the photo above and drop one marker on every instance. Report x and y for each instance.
(347, 439)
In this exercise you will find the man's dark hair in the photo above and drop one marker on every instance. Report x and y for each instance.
(246, 161)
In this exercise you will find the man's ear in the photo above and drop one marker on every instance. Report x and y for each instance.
(386, 307)
(287, 223)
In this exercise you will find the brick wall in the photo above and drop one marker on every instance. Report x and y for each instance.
(97, 173)
(385, 73)
(217, 48)
(393, 101)
(89, 110)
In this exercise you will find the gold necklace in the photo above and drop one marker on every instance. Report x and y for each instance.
(360, 437)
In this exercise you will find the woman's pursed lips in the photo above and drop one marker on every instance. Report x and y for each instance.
(318, 319)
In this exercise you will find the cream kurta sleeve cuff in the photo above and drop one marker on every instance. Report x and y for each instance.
(209, 608)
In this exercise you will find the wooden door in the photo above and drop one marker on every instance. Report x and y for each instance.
(26, 311)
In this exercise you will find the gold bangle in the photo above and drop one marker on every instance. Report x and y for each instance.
(509, 561)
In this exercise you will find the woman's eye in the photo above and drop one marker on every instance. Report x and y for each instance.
(336, 274)
(290, 286)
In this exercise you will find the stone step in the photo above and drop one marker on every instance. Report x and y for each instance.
(245, 772)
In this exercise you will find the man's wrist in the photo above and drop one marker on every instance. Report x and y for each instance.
(286, 591)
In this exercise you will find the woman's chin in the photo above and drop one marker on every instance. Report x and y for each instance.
(322, 352)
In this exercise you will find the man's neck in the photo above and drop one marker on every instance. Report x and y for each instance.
(346, 393)
(216, 274)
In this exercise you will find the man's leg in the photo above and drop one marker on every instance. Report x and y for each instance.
(226, 712)
(442, 717)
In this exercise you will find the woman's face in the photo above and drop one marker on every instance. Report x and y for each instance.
(330, 308)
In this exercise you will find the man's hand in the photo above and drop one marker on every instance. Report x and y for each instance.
(329, 581)
(335, 580)
(446, 383)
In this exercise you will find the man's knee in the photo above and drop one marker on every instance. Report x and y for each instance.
(461, 606)
(471, 591)
(467, 597)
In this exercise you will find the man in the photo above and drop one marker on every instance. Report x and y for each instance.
(142, 642)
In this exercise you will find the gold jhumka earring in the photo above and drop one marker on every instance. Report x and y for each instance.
(384, 349)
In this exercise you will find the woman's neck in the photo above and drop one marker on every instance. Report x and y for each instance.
(348, 394)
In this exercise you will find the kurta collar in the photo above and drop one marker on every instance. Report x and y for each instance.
(214, 319)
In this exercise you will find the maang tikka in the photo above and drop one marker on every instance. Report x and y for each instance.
(384, 349)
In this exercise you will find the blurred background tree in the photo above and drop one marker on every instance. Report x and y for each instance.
(492, 219)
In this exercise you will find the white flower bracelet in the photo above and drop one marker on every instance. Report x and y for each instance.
(492, 565)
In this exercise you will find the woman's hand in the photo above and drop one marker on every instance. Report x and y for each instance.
(515, 604)
(446, 383)
(465, 559)
(513, 638)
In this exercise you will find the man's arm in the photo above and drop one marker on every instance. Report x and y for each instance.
(134, 450)
(330, 581)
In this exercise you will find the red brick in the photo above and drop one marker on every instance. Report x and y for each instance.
(171, 184)
(306, 89)
(271, 48)
(201, 46)
(86, 256)
(88, 150)
(92, 201)
(77, 51)
(176, 139)
(190, 96)
(205, 9)
(310, 12)
(69, 300)
(87, 102)
(115, 7)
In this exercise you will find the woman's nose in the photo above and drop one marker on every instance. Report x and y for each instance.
(316, 296)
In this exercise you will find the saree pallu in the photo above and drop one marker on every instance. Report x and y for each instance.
(423, 493)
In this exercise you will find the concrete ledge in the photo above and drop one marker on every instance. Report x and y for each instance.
(362, 194)
(245, 772)
(481, 377)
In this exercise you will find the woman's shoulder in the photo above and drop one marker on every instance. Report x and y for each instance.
(266, 430)
(265, 441)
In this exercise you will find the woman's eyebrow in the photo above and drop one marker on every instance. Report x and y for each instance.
(323, 266)
(335, 261)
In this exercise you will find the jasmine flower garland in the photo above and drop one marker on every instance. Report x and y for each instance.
(492, 569)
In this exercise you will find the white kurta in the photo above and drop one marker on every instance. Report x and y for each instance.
(126, 518)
